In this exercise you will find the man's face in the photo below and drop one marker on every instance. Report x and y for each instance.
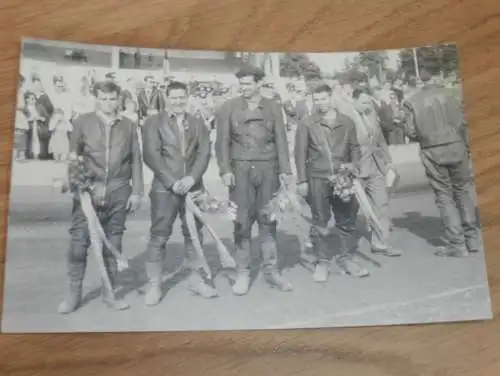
(177, 100)
(363, 103)
(248, 86)
(149, 83)
(37, 85)
(322, 101)
(59, 86)
(107, 102)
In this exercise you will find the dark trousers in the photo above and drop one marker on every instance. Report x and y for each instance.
(256, 183)
(323, 202)
(165, 206)
(21, 142)
(44, 135)
(112, 219)
(451, 185)
(394, 136)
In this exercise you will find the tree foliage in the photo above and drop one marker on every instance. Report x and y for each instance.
(373, 63)
(297, 64)
(365, 65)
(442, 59)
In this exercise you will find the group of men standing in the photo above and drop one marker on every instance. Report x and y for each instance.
(254, 159)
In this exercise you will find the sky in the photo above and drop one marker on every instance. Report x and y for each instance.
(330, 62)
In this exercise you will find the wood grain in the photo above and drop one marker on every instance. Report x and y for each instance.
(470, 349)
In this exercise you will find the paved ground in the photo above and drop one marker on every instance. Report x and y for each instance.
(417, 287)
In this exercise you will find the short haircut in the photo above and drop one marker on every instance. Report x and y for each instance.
(322, 88)
(147, 78)
(356, 93)
(57, 79)
(398, 93)
(176, 85)
(28, 94)
(106, 87)
(246, 71)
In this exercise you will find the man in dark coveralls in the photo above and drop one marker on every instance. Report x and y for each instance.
(325, 141)
(176, 147)
(437, 123)
(110, 149)
(252, 153)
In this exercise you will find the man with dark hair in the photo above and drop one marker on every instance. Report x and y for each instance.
(176, 148)
(326, 141)
(437, 122)
(374, 165)
(149, 99)
(110, 77)
(109, 146)
(252, 153)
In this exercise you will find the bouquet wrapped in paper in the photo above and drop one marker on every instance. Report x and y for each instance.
(284, 202)
(342, 182)
(196, 204)
(80, 178)
(210, 204)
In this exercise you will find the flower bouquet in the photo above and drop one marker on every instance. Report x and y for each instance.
(284, 202)
(213, 205)
(342, 182)
(80, 178)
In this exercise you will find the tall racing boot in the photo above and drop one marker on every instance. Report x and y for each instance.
(154, 271)
(76, 272)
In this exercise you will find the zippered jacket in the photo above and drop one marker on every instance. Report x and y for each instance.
(112, 153)
(172, 155)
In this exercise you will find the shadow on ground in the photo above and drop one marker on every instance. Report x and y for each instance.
(425, 227)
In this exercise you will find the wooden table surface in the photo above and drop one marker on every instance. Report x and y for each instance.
(330, 25)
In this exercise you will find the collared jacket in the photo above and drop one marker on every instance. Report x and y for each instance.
(375, 156)
(171, 156)
(436, 117)
(245, 135)
(111, 152)
(155, 102)
(311, 153)
(436, 121)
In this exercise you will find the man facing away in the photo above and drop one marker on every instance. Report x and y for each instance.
(110, 149)
(373, 167)
(252, 154)
(326, 140)
(437, 122)
(176, 147)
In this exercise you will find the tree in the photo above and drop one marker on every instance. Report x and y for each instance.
(373, 63)
(442, 59)
(450, 59)
(297, 64)
(352, 75)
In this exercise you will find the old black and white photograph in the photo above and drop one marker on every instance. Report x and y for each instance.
(194, 190)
